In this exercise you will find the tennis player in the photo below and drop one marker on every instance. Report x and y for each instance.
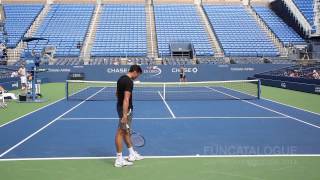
(182, 74)
(125, 108)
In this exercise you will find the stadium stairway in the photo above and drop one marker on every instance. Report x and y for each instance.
(218, 52)
(281, 48)
(151, 31)
(14, 54)
(317, 17)
(85, 53)
(298, 15)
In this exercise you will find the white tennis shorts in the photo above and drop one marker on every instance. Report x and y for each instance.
(23, 79)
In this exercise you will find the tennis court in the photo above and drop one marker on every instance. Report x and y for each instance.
(224, 123)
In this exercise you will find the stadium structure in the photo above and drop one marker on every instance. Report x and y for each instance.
(175, 32)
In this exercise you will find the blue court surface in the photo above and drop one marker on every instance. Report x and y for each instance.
(84, 129)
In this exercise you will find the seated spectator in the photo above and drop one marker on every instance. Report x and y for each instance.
(291, 74)
(5, 54)
(7, 95)
(4, 57)
(315, 74)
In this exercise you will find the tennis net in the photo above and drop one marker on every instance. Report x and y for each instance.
(208, 90)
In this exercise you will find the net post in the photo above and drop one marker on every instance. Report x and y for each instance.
(259, 88)
(164, 91)
(67, 90)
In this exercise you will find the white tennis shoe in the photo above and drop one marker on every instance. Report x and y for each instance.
(122, 163)
(135, 157)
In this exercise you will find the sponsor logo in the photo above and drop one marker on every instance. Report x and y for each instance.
(58, 70)
(242, 69)
(150, 70)
(15, 84)
(283, 84)
(78, 66)
(317, 89)
(29, 61)
(117, 70)
(187, 70)
(223, 66)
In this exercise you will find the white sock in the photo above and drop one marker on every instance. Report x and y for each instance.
(131, 151)
(119, 156)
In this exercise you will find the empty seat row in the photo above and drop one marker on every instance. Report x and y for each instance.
(306, 7)
(19, 18)
(121, 31)
(180, 23)
(285, 33)
(240, 35)
(65, 27)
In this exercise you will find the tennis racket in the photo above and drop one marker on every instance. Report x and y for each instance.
(137, 139)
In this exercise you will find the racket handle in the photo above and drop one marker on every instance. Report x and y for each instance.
(128, 128)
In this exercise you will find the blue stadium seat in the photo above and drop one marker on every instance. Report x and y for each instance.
(180, 23)
(306, 7)
(121, 31)
(285, 33)
(65, 26)
(238, 32)
(19, 18)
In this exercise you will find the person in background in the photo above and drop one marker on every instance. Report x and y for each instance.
(22, 72)
(33, 52)
(29, 81)
(292, 74)
(5, 55)
(315, 74)
(182, 74)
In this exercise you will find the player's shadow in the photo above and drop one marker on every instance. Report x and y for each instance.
(94, 152)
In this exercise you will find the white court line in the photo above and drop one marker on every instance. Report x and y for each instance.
(257, 105)
(38, 109)
(39, 130)
(168, 107)
(230, 117)
(165, 157)
(156, 118)
(276, 102)
(31, 112)
(291, 106)
(109, 118)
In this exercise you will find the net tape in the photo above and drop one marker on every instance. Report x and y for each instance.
(208, 90)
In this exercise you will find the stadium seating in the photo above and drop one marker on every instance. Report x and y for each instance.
(238, 32)
(19, 18)
(121, 31)
(285, 33)
(180, 23)
(306, 7)
(65, 26)
(297, 71)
